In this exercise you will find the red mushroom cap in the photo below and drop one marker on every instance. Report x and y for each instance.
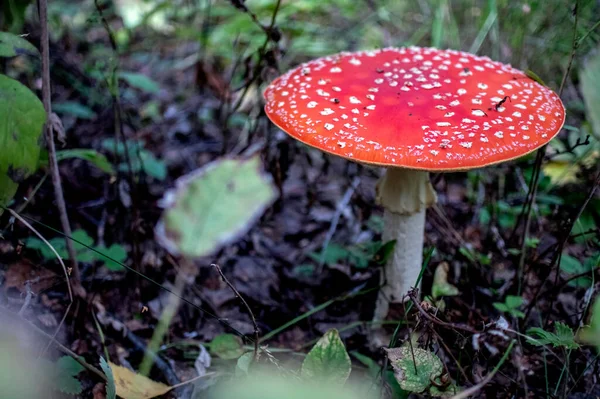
(416, 108)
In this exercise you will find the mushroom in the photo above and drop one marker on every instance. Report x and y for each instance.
(414, 111)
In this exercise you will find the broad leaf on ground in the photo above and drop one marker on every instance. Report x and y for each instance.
(414, 368)
(327, 360)
(213, 206)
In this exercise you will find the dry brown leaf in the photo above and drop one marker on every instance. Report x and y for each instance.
(135, 386)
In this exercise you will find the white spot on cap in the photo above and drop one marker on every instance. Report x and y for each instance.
(499, 134)
(477, 112)
(371, 107)
(443, 124)
(454, 103)
(328, 126)
(466, 144)
(461, 92)
(312, 104)
(482, 86)
(335, 70)
(354, 100)
(517, 114)
(327, 111)
(322, 93)
(355, 61)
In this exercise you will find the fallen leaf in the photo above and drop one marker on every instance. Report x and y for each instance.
(135, 386)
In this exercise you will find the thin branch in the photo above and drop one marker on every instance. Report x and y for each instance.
(236, 292)
(453, 326)
(49, 133)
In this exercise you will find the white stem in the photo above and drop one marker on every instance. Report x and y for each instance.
(405, 195)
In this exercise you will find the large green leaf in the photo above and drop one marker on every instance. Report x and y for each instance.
(213, 206)
(414, 368)
(22, 118)
(590, 88)
(328, 360)
(12, 45)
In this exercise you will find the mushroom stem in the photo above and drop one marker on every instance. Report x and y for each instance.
(405, 195)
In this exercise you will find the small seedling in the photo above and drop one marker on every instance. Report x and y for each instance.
(84, 248)
(511, 306)
(562, 336)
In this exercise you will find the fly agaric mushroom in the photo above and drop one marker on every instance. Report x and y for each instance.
(413, 110)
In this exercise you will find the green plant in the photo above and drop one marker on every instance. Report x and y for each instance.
(327, 361)
(85, 249)
(140, 158)
(573, 266)
(562, 336)
(358, 255)
(418, 370)
(511, 306)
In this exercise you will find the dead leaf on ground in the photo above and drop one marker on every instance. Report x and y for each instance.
(135, 386)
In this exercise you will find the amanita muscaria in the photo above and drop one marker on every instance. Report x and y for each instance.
(413, 110)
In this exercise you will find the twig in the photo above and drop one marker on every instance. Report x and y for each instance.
(236, 292)
(49, 132)
(476, 388)
(413, 295)
(60, 346)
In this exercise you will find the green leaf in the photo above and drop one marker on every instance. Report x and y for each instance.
(94, 157)
(213, 206)
(65, 370)
(513, 301)
(441, 287)
(140, 81)
(73, 108)
(414, 369)
(111, 389)
(563, 336)
(22, 118)
(227, 346)
(331, 255)
(328, 360)
(116, 252)
(12, 45)
(590, 89)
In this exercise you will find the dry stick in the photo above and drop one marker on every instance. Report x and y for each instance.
(453, 326)
(52, 161)
(236, 292)
(69, 289)
(476, 388)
